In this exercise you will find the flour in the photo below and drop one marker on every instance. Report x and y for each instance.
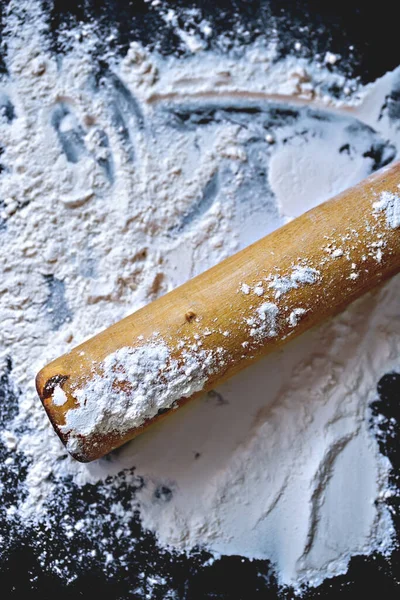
(296, 315)
(264, 323)
(117, 185)
(59, 396)
(300, 275)
(389, 204)
(133, 385)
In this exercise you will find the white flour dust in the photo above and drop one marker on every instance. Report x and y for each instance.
(300, 275)
(118, 184)
(151, 379)
(390, 204)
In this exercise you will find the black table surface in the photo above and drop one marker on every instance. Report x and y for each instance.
(366, 36)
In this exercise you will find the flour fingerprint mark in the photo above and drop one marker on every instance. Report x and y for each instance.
(56, 305)
(201, 205)
(7, 110)
(126, 115)
(70, 134)
(3, 221)
(105, 161)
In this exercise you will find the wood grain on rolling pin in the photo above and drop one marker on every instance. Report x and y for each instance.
(351, 245)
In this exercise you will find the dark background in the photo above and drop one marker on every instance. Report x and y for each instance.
(373, 32)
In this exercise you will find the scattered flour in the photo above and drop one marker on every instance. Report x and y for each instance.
(300, 276)
(296, 315)
(389, 203)
(264, 323)
(114, 192)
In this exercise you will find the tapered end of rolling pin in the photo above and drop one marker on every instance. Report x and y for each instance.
(108, 390)
(53, 385)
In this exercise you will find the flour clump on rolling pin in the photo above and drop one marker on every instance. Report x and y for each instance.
(300, 275)
(389, 203)
(265, 321)
(133, 385)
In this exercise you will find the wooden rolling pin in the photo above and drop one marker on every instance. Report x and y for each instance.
(112, 387)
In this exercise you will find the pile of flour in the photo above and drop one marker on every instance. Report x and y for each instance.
(119, 183)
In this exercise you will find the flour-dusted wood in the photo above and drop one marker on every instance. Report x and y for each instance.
(224, 319)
